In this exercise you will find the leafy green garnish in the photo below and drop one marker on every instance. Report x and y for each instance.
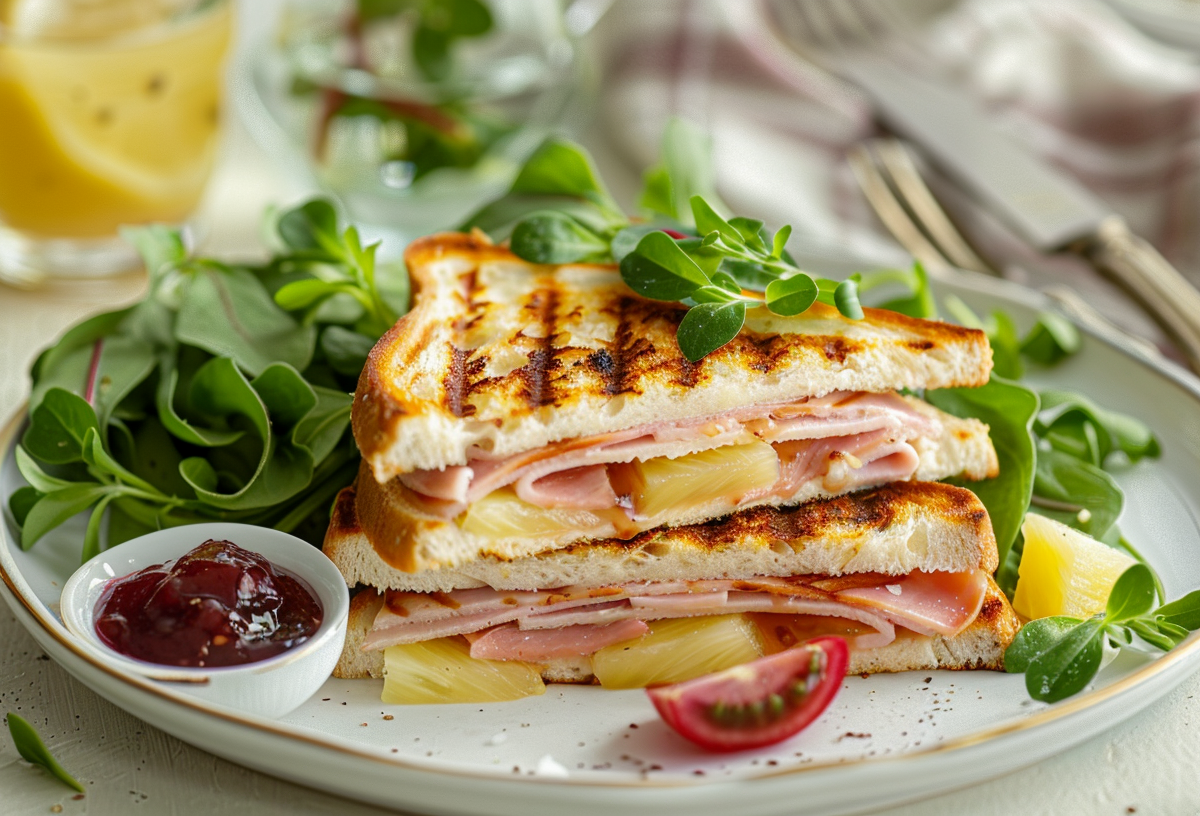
(558, 211)
(558, 177)
(1009, 410)
(33, 750)
(437, 25)
(223, 395)
(1075, 425)
(918, 301)
(661, 267)
(1059, 656)
(685, 170)
(1052, 340)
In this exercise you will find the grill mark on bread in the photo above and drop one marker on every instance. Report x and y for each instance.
(764, 354)
(455, 382)
(686, 373)
(616, 363)
(836, 349)
(767, 352)
(409, 351)
(538, 376)
(344, 517)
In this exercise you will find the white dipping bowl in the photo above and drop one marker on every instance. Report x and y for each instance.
(270, 688)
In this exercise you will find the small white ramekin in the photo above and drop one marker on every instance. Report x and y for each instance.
(270, 688)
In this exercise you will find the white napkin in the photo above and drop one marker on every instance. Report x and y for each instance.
(1070, 80)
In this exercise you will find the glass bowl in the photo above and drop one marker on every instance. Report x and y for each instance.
(347, 102)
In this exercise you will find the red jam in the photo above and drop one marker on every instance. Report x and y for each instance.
(219, 605)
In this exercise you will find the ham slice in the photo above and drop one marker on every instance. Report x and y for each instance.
(926, 603)
(571, 474)
(583, 488)
(541, 645)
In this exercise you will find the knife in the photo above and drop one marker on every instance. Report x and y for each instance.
(1047, 208)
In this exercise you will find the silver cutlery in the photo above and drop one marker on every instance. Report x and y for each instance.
(893, 186)
(1050, 210)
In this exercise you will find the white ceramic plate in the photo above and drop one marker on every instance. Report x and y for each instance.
(584, 750)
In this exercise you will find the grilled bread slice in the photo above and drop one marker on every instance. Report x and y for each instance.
(504, 356)
(895, 529)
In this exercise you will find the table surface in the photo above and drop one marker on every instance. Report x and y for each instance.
(1147, 765)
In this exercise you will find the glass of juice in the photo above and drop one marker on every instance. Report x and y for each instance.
(109, 116)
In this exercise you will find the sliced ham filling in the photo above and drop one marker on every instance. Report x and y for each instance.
(510, 642)
(855, 438)
(541, 625)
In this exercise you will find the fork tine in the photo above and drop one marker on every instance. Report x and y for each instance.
(897, 162)
(892, 213)
(890, 205)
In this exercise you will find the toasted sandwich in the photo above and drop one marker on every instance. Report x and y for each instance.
(902, 571)
(521, 408)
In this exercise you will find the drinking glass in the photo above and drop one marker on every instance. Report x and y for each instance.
(109, 116)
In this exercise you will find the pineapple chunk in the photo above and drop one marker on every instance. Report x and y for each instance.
(677, 650)
(721, 473)
(443, 671)
(1064, 571)
(503, 514)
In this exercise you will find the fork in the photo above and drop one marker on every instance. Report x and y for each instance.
(832, 36)
(893, 186)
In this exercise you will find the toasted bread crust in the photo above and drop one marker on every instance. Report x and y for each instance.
(980, 646)
(893, 529)
(511, 356)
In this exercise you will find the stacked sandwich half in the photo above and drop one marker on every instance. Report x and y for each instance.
(548, 480)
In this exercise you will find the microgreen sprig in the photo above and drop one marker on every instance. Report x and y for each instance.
(712, 274)
(1059, 656)
(559, 212)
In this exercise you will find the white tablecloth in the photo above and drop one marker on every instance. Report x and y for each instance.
(1149, 765)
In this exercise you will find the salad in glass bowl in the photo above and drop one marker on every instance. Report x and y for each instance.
(415, 112)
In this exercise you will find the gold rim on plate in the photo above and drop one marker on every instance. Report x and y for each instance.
(1184, 651)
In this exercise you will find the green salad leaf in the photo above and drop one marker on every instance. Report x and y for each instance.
(1052, 340)
(1060, 656)
(223, 395)
(1009, 409)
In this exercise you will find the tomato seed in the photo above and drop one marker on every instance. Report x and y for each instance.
(757, 709)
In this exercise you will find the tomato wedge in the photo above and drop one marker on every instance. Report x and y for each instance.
(758, 703)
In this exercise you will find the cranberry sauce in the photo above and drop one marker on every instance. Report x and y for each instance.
(219, 605)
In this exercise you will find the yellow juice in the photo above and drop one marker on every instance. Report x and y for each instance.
(103, 128)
